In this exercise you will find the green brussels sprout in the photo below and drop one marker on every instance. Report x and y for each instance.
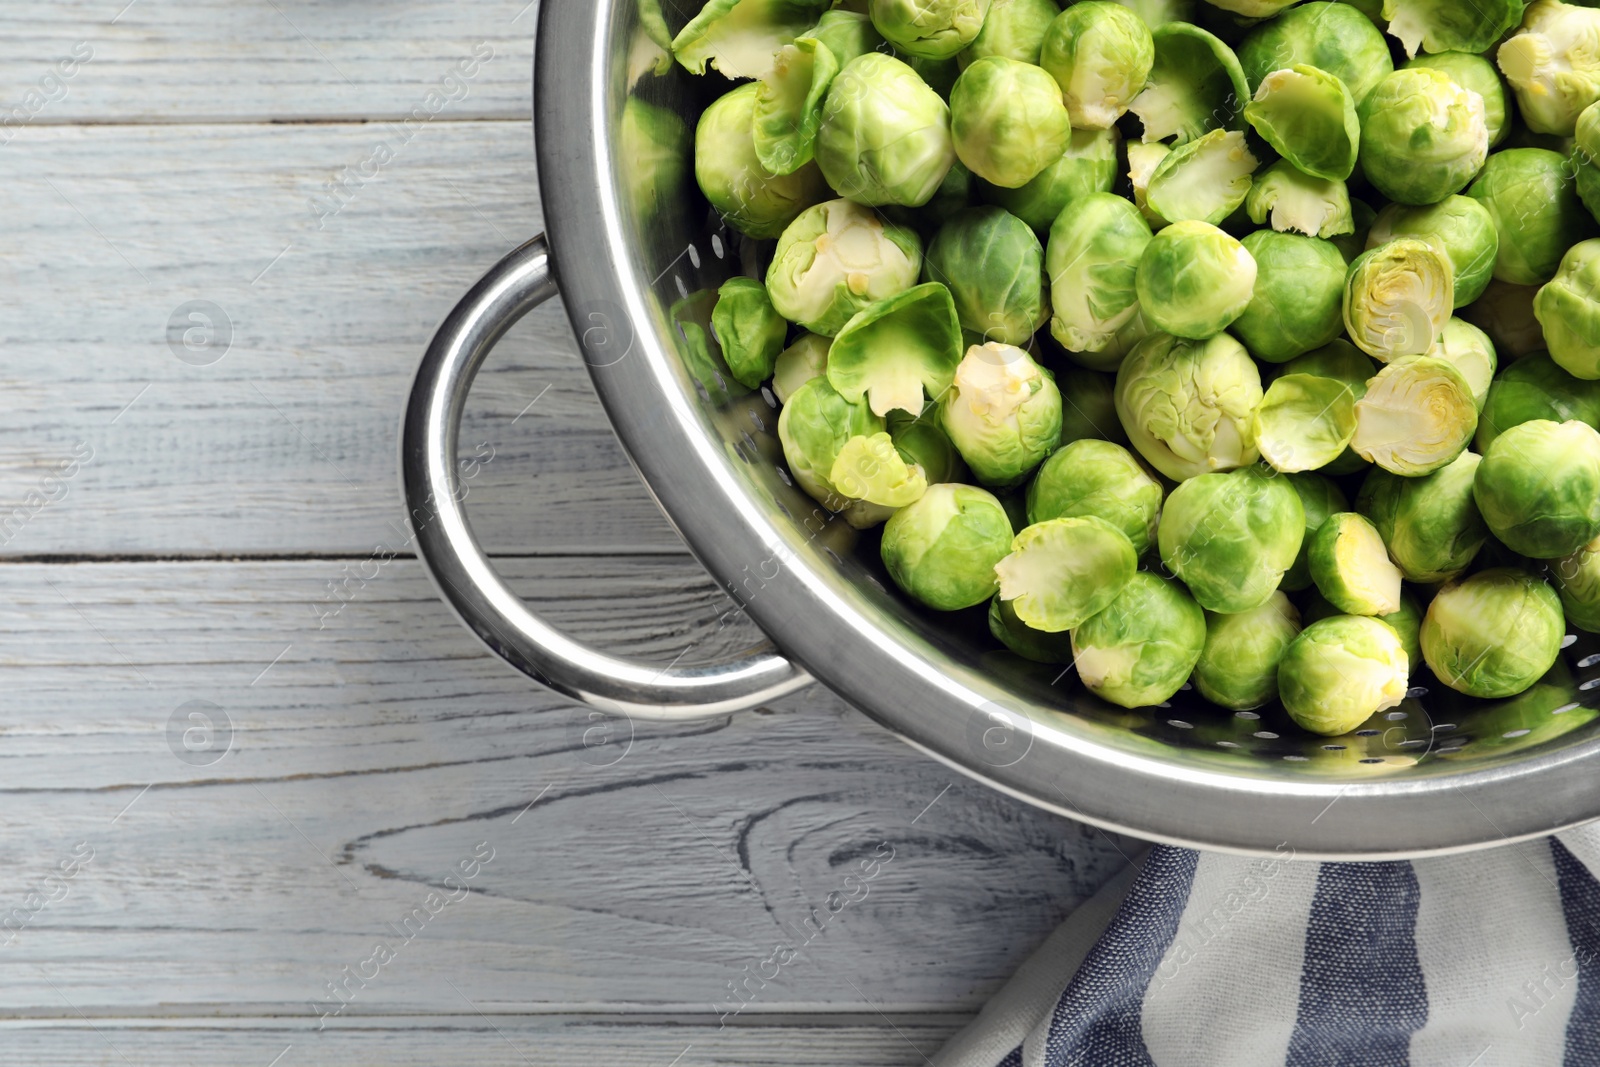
(1494, 634)
(1100, 54)
(1141, 649)
(885, 136)
(1406, 623)
(848, 34)
(921, 441)
(1008, 121)
(942, 550)
(1535, 388)
(1320, 497)
(1024, 640)
(1577, 579)
(813, 427)
(1092, 259)
(1423, 137)
(1309, 116)
(796, 365)
(1460, 225)
(1538, 488)
(1194, 280)
(1206, 179)
(1305, 422)
(993, 266)
(1088, 410)
(1478, 75)
(1099, 479)
(1298, 300)
(1062, 572)
(1351, 567)
(1398, 298)
(1417, 416)
(1089, 165)
(1298, 203)
(1015, 29)
(1586, 158)
(835, 260)
(928, 29)
(751, 198)
(1340, 672)
(1195, 86)
(740, 37)
(789, 104)
(1003, 413)
(1232, 537)
(1143, 159)
(871, 469)
(750, 332)
(1553, 65)
(1470, 351)
(1187, 406)
(889, 352)
(657, 146)
(1568, 308)
(1430, 524)
(1505, 313)
(1334, 37)
(1531, 194)
(1238, 668)
(1343, 362)
(1449, 25)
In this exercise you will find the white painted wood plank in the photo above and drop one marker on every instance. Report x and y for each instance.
(369, 758)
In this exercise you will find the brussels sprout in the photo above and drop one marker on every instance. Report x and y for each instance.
(814, 426)
(1406, 623)
(1062, 572)
(1423, 137)
(1417, 416)
(1008, 121)
(1351, 567)
(1196, 86)
(1003, 413)
(1092, 259)
(1088, 411)
(1099, 479)
(1158, 13)
(1194, 280)
(836, 259)
(1255, 9)
(994, 267)
(1344, 362)
(1538, 488)
(1024, 640)
(928, 29)
(1309, 116)
(1139, 651)
(1531, 195)
(885, 136)
(942, 550)
(1476, 74)
(1187, 406)
(921, 441)
(740, 37)
(1329, 36)
(796, 365)
(1299, 203)
(1568, 308)
(751, 198)
(1577, 579)
(1460, 225)
(847, 34)
(1298, 298)
(1430, 524)
(750, 332)
(1494, 634)
(789, 104)
(1535, 388)
(693, 336)
(1470, 351)
(1340, 672)
(1398, 298)
(1143, 159)
(1505, 313)
(1089, 165)
(1231, 537)
(1238, 667)
(1320, 497)
(657, 145)
(1015, 29)
(1450, 25)
(1305, 422)
(1553, 65)
(892, 350)
(1100, 54)
(870, 468)
(1206, 179)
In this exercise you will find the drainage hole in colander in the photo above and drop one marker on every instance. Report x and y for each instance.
(1563, 709)
(1516, 733)
(834, 556)
(1569, 640)
(1297, 759)
(1180, 724)
(755, 418)
(784, 475)
(1265, 735)
(1368, 733)
(1333, 748)
(769, 397)
(1590, 684)
(1395, 716)
(1589, 661)
(716, 245)
(1227, 744)
(1417, 692)
(1374, 759)
(1440, 728)
(1252, 716)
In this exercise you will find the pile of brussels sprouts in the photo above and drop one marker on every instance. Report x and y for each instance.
(1107, 313)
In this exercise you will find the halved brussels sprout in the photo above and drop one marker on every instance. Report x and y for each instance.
(1320, 497)
(1024, 640)
(1297, 202)
(1100, 54)
(1450, 25)
(1102, 480)
(1187, 406)
(1143, 159)
(847, 34)
(1494, 634)
(1351, 567)
(1430, 524)
(1577, 579)
(1538, 488)
(1568, 308)
(942, 550)
(796, 365)
(740, 37)
(751, 198)
(1088, 410)
(1015, 29)
(1297, 303)
(889, 352)
(1194, 280)
(1305, 422)
(814, 426)
(928, 29)
(1232, 537)
(885, 136)
(1417, 416)
(1309, 116)
(1140, 650)
(870, 468)
(1535, 388)
(1553, 65)
(1471, 352)
(750, 332)
(1238, 667)
(789, 104)
(1533, 198)
(1206, 179)
(1475, 73)
(1423, 137)
(993, 266)
(1398, 298)
(1003, 413)
(1062, 572)
(1195, 86)
(1340, 672)
(1460, 225)
(1093, 260)
(1089, 165)
(1334, 37)
(835, 260)
(1505, 313)
(1008, 121)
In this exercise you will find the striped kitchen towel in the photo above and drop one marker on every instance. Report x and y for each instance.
(1197, 959)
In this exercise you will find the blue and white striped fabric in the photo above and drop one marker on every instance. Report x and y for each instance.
(1189, 959)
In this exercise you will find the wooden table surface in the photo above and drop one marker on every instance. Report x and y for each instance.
(262, 799)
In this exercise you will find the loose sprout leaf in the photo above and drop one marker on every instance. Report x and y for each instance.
(1294, 202)
(1309, 116)
(894, 349)
(1304, 422)
(1062, 572)
(1195, 86)
(1451, 25)
(1206, 179)
(740, 37)
(789, 104)
(872, 469)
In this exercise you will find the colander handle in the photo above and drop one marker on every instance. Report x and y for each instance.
(467, 579)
